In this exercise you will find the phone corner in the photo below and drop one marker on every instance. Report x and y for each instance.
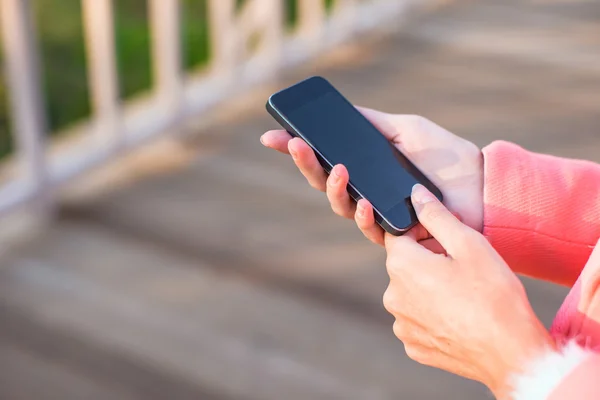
(317, 77)
(391, 229)
(269, 102)
(270, 107)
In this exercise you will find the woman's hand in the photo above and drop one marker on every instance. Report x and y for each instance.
(464, 312)
(453, 164)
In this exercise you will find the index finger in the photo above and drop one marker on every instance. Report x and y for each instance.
(439, 221)
(277, 140)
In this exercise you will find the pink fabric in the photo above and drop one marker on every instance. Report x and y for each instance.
(542, 214)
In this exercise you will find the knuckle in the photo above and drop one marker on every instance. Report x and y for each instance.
(400, 330)
(417, 354)
(413, 352)
(393, 265)
(468, 239)
(390, 301)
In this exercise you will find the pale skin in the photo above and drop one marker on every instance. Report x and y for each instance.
(457, 305)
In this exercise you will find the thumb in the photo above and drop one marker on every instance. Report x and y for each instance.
(437, 219)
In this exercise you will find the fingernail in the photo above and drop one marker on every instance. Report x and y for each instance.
(293, 153)
(421, 195)
(335, 176)
(360, 211)
(262, 140)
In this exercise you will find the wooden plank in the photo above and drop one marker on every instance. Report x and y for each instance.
(27, 376)
(61, 364)
(505, 30)
(246, 211)
(234, 337)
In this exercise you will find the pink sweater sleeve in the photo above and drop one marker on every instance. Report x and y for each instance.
(541, 213)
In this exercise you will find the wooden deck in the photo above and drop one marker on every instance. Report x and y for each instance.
(229, 278)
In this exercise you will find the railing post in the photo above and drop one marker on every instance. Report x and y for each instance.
(311, 15)
(271, 16)
(166, 53)
(223, 35)
(344, 15)
(102, 70)
(263, 18)
(25, 95)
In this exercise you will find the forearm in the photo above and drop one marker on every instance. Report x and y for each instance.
(541, 213)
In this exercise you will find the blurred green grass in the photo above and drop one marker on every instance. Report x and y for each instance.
(60, 35)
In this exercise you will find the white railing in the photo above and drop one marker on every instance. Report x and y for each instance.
(115, 126)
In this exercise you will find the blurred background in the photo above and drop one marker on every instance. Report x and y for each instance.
(151, 248)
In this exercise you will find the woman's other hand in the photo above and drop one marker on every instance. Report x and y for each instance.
(464, 312)
(453, 164)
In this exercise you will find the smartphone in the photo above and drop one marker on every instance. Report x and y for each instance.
(339, 134)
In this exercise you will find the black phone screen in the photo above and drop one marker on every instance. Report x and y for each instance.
(342, 135)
